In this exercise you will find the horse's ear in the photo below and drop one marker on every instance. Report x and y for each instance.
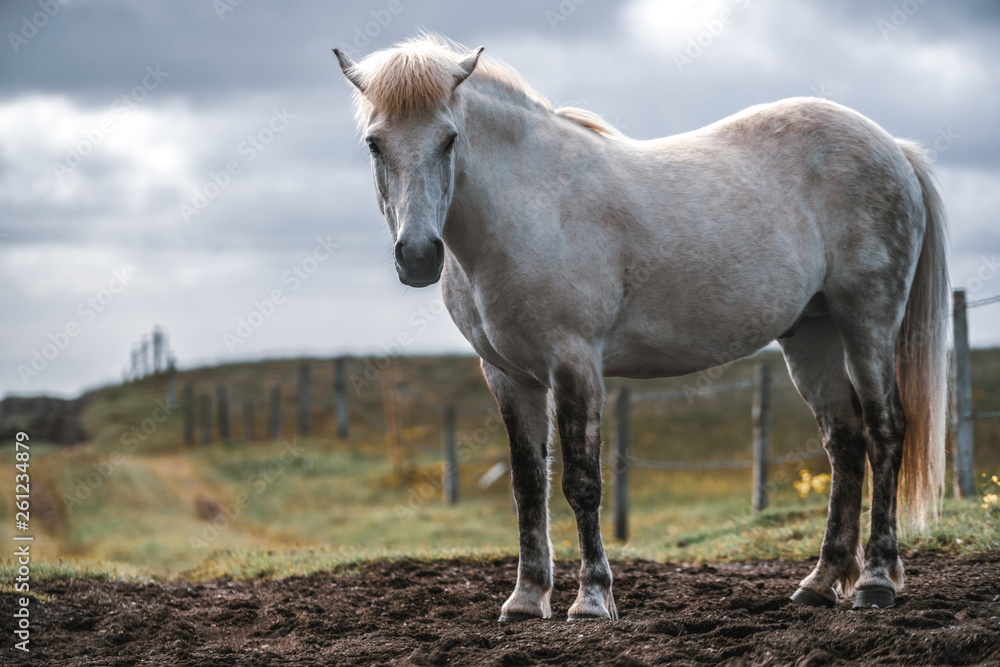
(347, 67)
(468, 65)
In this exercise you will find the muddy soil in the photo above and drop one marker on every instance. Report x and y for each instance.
(410, 613)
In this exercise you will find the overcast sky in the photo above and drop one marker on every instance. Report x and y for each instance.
(175, 162)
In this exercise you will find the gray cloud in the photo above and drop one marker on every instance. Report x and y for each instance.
(939, 72)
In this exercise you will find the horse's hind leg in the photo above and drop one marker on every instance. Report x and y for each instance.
(816, 362)
(869, 339)
(579, 395)
(526, 416)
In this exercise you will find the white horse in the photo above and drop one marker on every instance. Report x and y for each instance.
(569, 252)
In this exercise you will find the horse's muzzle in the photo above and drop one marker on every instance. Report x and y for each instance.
(419, 264)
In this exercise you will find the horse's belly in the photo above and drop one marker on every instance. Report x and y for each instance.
(645, 361)
(650, 346)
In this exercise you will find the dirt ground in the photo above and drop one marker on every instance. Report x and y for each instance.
(445, 613)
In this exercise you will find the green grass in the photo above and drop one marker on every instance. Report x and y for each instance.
(247, 511)
(62, 569)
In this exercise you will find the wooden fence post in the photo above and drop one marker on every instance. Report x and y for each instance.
(450, 480)
(248, 421)
(761, 434)
(275, 421)
(964, 464)
(157, 349)
(305, 400)
(222, 407)
(620, 461)
(340, 396)
(172, 385)
(206, 420)
(392, 434)
(188, 411)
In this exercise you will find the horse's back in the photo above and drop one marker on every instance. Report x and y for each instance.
(743, 222)
(854, 180)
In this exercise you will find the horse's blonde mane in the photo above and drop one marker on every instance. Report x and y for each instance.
(413, 76)
(589, 120)
(419, 74)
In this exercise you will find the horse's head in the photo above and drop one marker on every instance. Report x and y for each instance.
(404, 109)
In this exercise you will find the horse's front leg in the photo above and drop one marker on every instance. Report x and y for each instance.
(579, 395)
(525, 413)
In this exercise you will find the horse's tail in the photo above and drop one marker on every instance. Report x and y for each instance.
(922, 357)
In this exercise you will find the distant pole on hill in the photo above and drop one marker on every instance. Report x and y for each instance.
(248, 421)
(144, 357)
(188, 410)
(157, 349)
(340, 397)
(172, 384)
(134, 365)
(305, 400)
(206, 420)
(222, 401)
(275, 414)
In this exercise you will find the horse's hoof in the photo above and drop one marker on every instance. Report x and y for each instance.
(517, 616)
(812, 598)
(879, 597)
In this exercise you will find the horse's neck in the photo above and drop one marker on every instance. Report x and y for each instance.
(501, 177)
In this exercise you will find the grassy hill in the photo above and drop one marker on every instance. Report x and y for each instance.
(136, 499)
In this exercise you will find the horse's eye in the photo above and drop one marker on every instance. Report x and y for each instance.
(451, 143)
(373, 147)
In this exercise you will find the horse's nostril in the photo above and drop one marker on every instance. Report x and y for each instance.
(438, 252)
(400, 256)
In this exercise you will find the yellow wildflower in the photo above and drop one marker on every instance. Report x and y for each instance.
(808, 482)
(819, 482)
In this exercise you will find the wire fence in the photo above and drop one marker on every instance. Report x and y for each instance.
(745, 384)
(442, 414)
(741, 464)
(982, 302)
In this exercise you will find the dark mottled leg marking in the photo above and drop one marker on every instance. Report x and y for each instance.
(578, 412)
(525, 414)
